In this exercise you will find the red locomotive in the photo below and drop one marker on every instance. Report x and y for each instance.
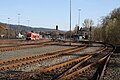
(32, 36)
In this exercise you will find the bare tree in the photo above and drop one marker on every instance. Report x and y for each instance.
(88, 22)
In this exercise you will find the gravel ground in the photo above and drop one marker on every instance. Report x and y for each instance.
(113, 70)
(56, 60)
(29, 51)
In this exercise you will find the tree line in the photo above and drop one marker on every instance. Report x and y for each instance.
(109, 29)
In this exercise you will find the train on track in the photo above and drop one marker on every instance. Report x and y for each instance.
(32, 36)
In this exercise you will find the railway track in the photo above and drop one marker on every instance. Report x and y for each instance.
(46, 73)
(83, 67)
(27, 45)
(89, 70)
(17, 62)
(61, 69)
(70, 69)
(84, 73)
(11, 43)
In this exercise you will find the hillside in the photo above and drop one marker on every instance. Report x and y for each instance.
(3, 26)
(26, 28)
(12, 30)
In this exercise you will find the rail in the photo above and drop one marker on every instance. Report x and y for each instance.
(102, 67)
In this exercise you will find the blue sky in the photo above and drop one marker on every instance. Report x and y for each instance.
(48, 13)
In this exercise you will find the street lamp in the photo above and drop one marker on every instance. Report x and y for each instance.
(79, 17)
(18, 23)
(18, 19)
(70, 22)
(8, 28)
(28, 22)
(8, 20)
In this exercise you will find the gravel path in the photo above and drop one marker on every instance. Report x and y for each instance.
(113, 70)
(29, 51)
